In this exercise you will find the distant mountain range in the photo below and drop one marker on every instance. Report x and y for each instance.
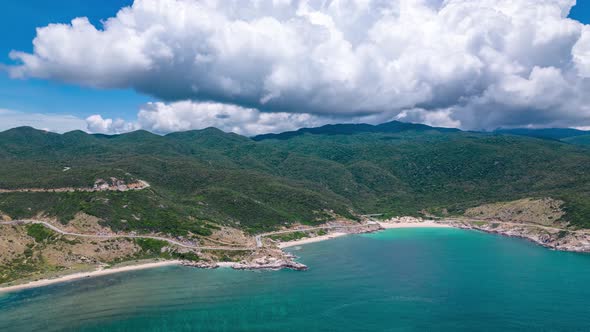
(306, 176)
(569, 135)
(349, 129)
(563, 134)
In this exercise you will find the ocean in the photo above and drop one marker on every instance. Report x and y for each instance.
(395, 280)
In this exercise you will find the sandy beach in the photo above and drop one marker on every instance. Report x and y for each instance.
(82, 275)
(288, 244)
(424, 224)
(103, 271)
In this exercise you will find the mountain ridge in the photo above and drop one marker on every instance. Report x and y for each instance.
(567, 135)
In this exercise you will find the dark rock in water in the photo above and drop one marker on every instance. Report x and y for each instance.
(270, 263)
(201, 264)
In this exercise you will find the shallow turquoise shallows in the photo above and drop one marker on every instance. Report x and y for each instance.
(398, 280)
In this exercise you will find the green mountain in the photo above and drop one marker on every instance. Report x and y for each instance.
(569, 135)
(307, 176)
(350, 129)
(578, 140)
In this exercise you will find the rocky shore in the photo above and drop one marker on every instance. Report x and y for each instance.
(272, 257)
(556, 238)
(278, 261)
(552, 238)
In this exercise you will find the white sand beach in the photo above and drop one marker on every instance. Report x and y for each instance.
(310, 240)
(423, 224)
(82, 275)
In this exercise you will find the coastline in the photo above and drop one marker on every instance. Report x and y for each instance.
(422, 224)
(308, 240)
(82, 275)
(142, 266)
(384, 226)
(549, 237)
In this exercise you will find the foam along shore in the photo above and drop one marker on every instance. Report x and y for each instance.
(420, 224)
(82, 275)
(384, 225)
(294, 243)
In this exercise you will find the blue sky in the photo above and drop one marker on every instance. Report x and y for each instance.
(17, 30)
(581, 11)
(49, 96)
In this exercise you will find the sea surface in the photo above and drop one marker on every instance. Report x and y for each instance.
(396, 280)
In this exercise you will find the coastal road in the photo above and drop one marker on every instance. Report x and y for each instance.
(124, 236)
(259, 243)
(258, 237)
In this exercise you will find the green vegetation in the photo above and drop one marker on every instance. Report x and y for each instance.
(151, 246)
(41, 233)
(206, 177)
(18, 268)
(288, 236)
(562, 234)
(30, 263)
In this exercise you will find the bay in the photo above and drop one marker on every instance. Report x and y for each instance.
(395, 280)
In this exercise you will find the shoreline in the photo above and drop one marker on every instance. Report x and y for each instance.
(143, 266)
(423, 224)
(384, 226)
(82, 275)
(308, 240)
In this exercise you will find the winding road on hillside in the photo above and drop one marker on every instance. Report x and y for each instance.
(259, 242)
(124, 236)
(259, 237)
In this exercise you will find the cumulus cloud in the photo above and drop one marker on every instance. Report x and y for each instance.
(96, 124)
(475, 63)
(186, 115)
(50, 122)
(163, 118)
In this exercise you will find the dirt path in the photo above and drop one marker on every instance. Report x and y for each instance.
(98, 236)
(259, 243)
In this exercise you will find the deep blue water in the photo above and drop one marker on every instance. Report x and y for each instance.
(398, 280)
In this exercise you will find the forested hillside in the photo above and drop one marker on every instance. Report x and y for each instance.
(308, 176)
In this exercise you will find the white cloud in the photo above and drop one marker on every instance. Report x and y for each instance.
(581, 53)
(439, 118)
(481, 63)
(185, 115)
(50, 122)
(164, 118)
(96, 124)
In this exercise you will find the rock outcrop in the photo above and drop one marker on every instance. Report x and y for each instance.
(545, 211)
(271, 263)
(564, 240)
(278, 260)
(113, 184)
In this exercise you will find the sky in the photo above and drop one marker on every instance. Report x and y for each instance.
(258, 66)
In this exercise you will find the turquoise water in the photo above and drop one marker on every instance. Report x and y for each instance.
(398, 280)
